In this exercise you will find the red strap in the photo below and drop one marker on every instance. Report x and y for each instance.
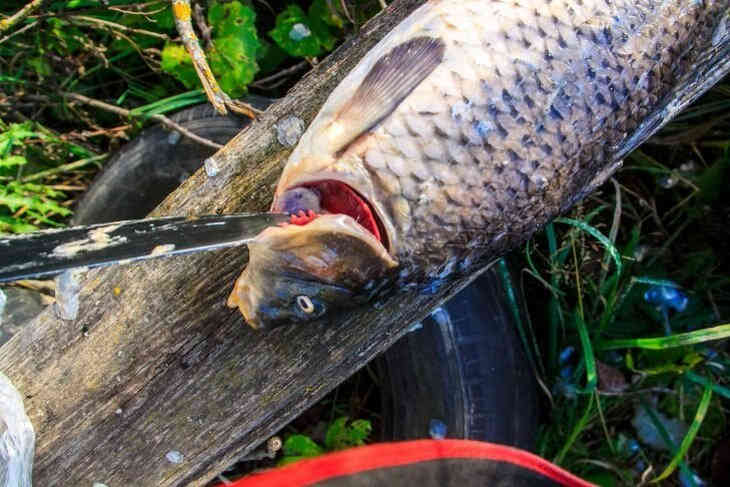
(383, 455)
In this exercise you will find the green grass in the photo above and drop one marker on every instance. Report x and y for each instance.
(663, 222)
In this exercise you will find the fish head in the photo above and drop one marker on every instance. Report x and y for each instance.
(340, 242)
(332, 254)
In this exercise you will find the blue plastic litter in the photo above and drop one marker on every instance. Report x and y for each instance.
(665, 297)
(437, 429)
(566, 354)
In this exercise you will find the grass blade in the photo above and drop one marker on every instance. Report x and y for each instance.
(588, 357)
(533, 353)
(690, 436)
(577, 429)
(704, 381)
(610, 247)
(678, 340)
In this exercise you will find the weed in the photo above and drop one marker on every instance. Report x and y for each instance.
(635, 288)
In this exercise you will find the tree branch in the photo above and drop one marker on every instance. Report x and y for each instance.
(130, 114)
(9, 22)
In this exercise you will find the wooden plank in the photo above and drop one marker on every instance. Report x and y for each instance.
(157, 363)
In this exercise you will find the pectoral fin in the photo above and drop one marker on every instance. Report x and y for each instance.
(391, 79)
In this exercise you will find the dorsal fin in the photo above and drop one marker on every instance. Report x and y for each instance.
(391, 79)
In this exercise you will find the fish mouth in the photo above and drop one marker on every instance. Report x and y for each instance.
(337, 198)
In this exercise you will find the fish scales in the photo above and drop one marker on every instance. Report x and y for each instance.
(524, 108)
(468, 127)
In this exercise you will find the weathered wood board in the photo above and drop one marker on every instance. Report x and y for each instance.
(156, 362)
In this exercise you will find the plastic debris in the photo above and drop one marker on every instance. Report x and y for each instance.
(67, 294)
(566, 372)
(688, 478)
(632, 446)
(174, 456)
(565, 388)
(299, 32)
(667, 182)
(289, 130)
(98, 484)
(640, 252)
(173, 137)
(211, 167)
(649, 434)
(437, 429)
(17, 438)
(666, 297)
(566, 354)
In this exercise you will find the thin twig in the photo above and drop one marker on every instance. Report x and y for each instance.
(63, 168)
(127, 113)
(383, 4)
(147, 14)
(122, 28)
(19, 31)
(284, 72)
(220, 100)
(6, 24)
(347, 12)
(203, 26)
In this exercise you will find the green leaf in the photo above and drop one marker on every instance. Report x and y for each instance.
(11, 161)
(716, 388)
(269, 56)
(690, 436)
(599, 236)
(301, 446)
(713, 181)
(321, 28)
(235, 46)
(341, 435)
(295, 33)
(329, 11)
(234, 63)
(233, 20)
(588, 357)
(15, 225)
(177, 62)
(676, 340)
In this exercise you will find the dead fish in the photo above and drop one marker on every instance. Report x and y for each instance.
(466, 129)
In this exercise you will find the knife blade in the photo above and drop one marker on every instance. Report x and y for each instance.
(49, 252)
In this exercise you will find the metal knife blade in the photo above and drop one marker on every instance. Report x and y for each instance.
(52, 251)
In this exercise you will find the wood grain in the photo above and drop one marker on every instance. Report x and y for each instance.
(156, 362)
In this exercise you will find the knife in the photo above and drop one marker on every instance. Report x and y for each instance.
(49, 252)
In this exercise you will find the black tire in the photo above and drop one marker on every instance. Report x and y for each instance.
(470, 373)
(465, 367)
(139, 176)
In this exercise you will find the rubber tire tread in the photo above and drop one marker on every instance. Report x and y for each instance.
(469, 371)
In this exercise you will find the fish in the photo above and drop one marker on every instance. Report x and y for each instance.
(466, 129)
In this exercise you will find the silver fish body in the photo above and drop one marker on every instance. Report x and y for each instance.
(467, 128)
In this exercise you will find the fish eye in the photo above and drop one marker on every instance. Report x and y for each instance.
(305, 304)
